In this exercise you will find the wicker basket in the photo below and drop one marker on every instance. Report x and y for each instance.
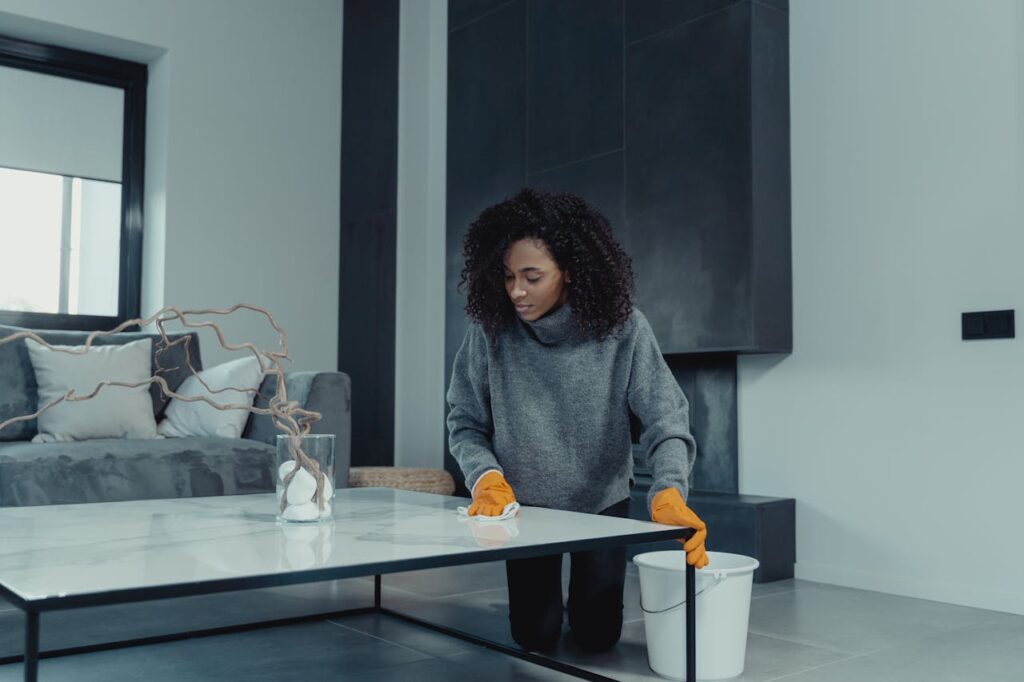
(436, 481)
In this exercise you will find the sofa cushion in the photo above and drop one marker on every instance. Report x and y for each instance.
(112, 470)
(18, 390)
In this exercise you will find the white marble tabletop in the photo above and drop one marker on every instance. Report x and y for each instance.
(96, 553)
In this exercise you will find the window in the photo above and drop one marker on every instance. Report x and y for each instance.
(72, 135)
(68, 232)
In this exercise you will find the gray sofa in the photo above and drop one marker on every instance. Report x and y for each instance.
(110, 470)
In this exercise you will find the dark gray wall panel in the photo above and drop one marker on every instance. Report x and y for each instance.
(599, 181)
(486, 140)
(781, 5)
(772, 267)
(692, 280)
(486, 119)
(709, 382)
(714, 417)
(369, 166)
(367, 342)
(369, 114)
(688, 181)
(461, 12)
(574, 81)
(647, 17)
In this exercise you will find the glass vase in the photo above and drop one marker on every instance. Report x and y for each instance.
(305, 478)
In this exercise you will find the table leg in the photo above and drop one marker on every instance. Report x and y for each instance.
(691, 623)
(376, 591)
(31, 645)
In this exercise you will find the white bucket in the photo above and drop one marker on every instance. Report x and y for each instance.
(723, 612)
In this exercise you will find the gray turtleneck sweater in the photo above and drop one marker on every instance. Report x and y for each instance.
(549, 408)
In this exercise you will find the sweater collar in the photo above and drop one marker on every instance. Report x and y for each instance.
(554, 327)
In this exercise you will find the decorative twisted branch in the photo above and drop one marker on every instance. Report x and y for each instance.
(286, 415)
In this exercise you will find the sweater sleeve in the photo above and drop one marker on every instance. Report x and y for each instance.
(470, 427)
(664, 413)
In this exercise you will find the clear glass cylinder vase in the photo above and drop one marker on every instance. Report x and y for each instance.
(305, 478)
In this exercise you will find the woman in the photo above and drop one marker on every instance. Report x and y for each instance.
(540, 396)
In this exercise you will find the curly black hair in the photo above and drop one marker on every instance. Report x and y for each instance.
(579, 240)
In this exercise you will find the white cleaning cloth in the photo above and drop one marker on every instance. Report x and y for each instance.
(511, 509)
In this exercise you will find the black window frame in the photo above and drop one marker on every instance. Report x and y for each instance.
(132, 77)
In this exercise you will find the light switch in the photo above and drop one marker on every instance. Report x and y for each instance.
(989, 324)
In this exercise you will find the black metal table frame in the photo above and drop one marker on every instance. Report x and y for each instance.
(33, 609)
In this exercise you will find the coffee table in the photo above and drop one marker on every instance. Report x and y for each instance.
(71, 556)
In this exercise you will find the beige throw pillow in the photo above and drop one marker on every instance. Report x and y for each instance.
(114, 412)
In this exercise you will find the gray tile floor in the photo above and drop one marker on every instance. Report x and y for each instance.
(799, 632)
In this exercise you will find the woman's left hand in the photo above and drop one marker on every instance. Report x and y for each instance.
(668, 507)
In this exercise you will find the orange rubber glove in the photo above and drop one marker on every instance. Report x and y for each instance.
(490, 495)
(669, 508)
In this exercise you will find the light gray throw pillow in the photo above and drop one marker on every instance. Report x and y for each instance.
(114, 412)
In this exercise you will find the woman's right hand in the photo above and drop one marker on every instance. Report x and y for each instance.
(490, 495)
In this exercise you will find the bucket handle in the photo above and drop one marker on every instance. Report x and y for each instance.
(719, 579)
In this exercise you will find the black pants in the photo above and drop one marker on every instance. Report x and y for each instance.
(596, 582)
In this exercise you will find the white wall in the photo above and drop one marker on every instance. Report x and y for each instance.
(901, 443)
(420, 238)
(243, 140)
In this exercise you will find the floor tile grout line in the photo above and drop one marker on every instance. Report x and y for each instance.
(816, 584)
(812, 668)
(777, 594)
(804, 642)
(812, 646)
(852, 655)
(466, 594)
(386, 588)
(773, 594)
(921, 639)
(382, 639)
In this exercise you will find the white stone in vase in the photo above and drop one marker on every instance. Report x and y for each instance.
(302, 487)
(326, 511)
(285, 469)
(307, 511)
